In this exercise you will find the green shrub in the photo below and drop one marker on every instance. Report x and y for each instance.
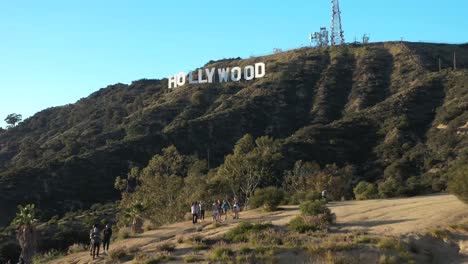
(221, 253)
(389, 188)
(245, 250)
(365, 190)
(268, 237)
(386, 259)
(313, 196)
(192, 259)
(120, 254)
(268, 198)
(458, 181)
(413, 187)
(297, 198)
(314, 208)
(313, 223)
(159, 259)
(241, 232)
(300, 197)
(439, 234)
(299, 224)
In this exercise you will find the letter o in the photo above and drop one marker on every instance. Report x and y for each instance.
(236, 74)
(249, 72)
(180, 78)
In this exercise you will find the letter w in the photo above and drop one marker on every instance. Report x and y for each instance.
(223, 75)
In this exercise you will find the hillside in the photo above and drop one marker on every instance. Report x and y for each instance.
(407, 218)
(383, 108)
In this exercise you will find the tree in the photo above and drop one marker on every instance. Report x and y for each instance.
(365, 190)
(250, 166)
(25, 223)
(12, 119)
(134, 214)
(299, 179)
(269, 198)
(166, 186)
(458, 178)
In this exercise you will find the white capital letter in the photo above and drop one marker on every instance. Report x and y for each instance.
(180, 78)
(200, 76)
(223, 75)
(190, 78)
(249, 72)
(210, 74)
(236, 77)
(172, 80)
(259, 70)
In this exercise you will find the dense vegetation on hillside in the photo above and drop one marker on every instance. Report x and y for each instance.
(333, 116)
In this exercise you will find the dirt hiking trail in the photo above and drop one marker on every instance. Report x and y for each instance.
(381, 217)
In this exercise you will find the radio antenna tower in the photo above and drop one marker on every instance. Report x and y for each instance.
(337, 34)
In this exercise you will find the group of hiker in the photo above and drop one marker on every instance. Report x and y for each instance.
(96, 237)
(218, 210)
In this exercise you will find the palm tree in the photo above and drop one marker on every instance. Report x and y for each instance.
(25, 222)
(134, 214)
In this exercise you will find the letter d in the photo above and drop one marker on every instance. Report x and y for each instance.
(259, 70)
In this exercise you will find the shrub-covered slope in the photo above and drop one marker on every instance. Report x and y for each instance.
(384, 108)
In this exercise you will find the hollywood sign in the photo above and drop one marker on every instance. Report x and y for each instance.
(234, 74)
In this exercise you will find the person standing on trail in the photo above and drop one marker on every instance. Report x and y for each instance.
(202, 211)
(215, 212)
(220, 210)
(236, 208)
(107, 232)
(225, 207)
(194, 210)
(325, 195)
(95, 237)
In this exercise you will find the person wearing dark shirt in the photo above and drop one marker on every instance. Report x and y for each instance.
(107, 232)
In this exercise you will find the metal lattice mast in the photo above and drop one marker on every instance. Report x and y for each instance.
(337, 34)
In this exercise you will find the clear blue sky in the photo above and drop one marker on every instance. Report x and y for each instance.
(54, 52)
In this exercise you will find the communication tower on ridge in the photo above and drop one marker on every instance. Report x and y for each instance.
(319, 39)
(337, 33)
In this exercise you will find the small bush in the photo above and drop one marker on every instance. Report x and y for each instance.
(241, 232)
(301, 225)
(196, 239)
(159, 259)
(313, 223)
(245, 250)
(386, 259)
(268, 198)
(180, 239)
(148, 226)
(313, 196)
(367, 240)
(124, 233)
(365, 190)
(314, 208)
(120, 254)
(268, 237)
(439, 234)
(47, 257)
(192, 259)
(221, 253)
(166, 246)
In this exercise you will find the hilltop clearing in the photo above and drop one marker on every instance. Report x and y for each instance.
(427, 224)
